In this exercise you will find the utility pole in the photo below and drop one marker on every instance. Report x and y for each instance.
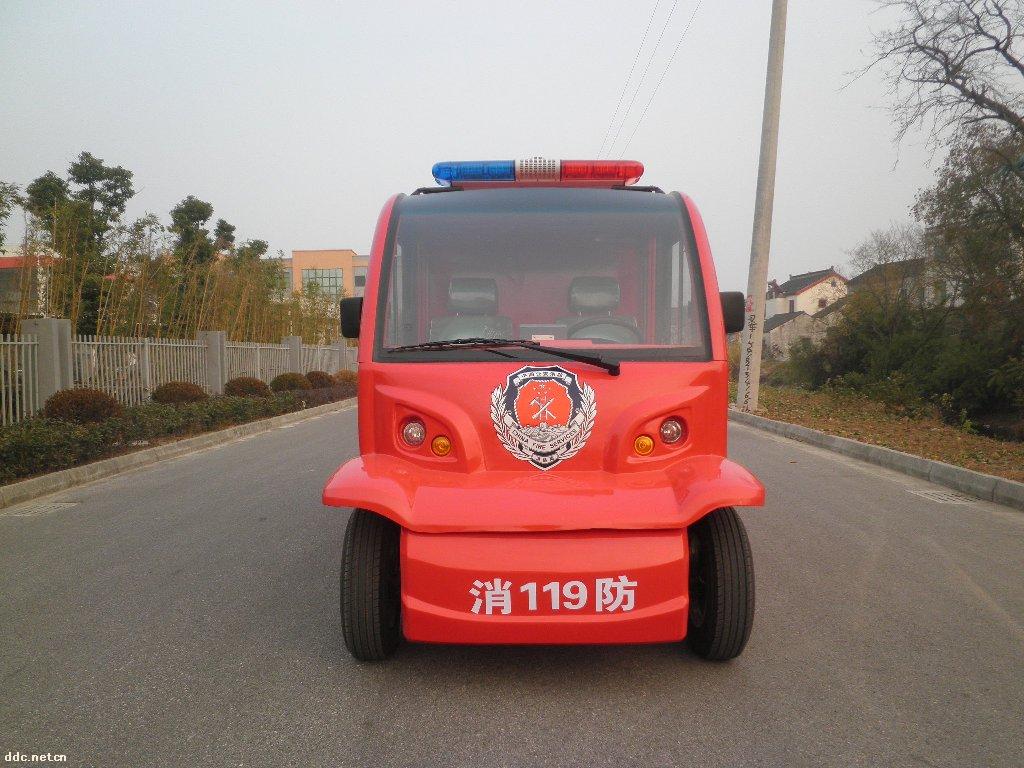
(760, 245)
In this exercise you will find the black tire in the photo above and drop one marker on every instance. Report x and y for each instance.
(721, 586)
(371, 595)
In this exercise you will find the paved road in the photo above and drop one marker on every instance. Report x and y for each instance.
(186, 615)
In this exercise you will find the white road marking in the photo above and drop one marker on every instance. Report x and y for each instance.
(943, 497)
(35, 509)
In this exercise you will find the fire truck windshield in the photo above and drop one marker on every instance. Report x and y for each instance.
(605, 270)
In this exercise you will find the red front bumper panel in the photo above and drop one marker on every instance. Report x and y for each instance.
(539, 588)
(440, 501)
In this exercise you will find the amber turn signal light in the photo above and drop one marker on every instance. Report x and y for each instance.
(643, 445)
(441, 445)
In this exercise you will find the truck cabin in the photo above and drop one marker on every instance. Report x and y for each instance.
(560, 266)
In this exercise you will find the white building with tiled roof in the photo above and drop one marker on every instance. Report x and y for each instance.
(809, 292)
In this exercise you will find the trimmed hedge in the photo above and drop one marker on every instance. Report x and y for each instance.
(246, 386)
(346, 377)
(287, 382)
(41, 445)
(81, 406)
(320, 380)
(311, 397)
(178, 392)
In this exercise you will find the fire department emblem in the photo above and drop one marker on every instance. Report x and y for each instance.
(543, 415)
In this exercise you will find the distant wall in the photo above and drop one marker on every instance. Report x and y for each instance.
(779, 340)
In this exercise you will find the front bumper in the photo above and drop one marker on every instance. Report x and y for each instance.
(540, 588)
(441, 501)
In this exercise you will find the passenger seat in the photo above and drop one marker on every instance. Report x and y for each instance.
(473, 302)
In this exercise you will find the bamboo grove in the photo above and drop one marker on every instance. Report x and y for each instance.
(145, 279)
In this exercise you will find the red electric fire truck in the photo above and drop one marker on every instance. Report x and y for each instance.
(543, 389)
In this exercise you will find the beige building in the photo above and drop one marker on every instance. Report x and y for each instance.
(338, 271)
(16, 282)
(10, 282)
(803, 307)
(810, 293)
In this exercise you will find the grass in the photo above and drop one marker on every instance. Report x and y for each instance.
(869, 421)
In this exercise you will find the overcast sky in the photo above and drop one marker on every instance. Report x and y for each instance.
(298, 120)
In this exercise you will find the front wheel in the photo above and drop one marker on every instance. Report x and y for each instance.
(371, 595)
(721, 586)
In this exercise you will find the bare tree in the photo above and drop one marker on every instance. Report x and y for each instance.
(954, 63)
(956, 68)
(894, 273)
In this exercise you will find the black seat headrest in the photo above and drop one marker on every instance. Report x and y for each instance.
(594, 294)
(473, 296)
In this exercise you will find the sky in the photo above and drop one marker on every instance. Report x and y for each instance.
(298, 120)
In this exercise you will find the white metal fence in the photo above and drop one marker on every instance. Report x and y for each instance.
(261, 361)
(327, 359)
(175, 360)
(130, 368)
(33, 366)
(19, 389)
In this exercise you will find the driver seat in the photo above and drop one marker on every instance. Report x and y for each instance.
(473, 302)
(593, 298)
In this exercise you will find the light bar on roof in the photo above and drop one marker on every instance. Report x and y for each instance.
(538, 170)
(470, 170)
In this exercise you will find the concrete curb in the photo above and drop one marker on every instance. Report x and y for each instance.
(15, 493)
(987, 487)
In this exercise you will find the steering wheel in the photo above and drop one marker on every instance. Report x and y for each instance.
(573, 330)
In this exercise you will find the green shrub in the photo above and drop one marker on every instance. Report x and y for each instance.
(345, 389)
(36, 446)
(81, 406)
(1007, 382)
(246, 386)
(320, 380)
(311, 397)
(806, 367)
(288, 382)
(897, 392)
(346, 377)
(42, 445)
(733, 350)
(178, 392)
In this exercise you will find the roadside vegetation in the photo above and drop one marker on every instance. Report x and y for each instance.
(930, 339)
(82, 425)
(854, 415)
(147, 277)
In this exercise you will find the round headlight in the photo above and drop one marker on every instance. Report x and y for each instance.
(672, 430)
(414, 433)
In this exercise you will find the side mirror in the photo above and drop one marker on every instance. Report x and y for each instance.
(351, 312)
(734, 310)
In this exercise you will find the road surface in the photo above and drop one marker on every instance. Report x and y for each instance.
(186, 614)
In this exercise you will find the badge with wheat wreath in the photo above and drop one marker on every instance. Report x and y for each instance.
(543, 415)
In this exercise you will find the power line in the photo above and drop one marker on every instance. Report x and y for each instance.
(629, 77)
(661, 80)
(640, 82)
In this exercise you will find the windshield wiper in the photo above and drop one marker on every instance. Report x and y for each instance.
(490, 344)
